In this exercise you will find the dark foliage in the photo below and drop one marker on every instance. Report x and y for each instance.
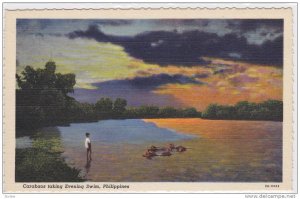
(41, 97)
(164, 112)
(268, 110)
(36, 165)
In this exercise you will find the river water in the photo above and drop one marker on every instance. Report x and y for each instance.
(218, 150)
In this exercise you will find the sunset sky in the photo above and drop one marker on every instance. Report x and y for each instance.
(182, 63)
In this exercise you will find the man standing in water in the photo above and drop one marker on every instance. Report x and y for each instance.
(88, 147)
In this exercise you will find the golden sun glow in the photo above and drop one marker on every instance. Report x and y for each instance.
(228, 83)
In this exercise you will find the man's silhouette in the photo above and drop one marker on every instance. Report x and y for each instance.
(88, 146)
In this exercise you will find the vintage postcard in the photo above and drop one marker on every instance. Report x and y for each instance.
(148, 100)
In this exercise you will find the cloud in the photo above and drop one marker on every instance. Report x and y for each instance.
(134, 97)
(160, 79)
(153, 81)
(187, 48)
(137, 91)
(268, 53)
(252, 25)
(178, 86)
(201, 75)
(116, 22)
(91, 33)
(28, 25)
(89, 60)
(257, 31)
(183, 22)
(236, 25)
(244, 81)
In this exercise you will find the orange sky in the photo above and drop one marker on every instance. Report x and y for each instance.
(227, 83)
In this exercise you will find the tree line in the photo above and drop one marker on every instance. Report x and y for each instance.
(244, 110)
(42, 100)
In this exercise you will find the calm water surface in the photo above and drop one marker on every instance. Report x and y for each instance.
(218, 150)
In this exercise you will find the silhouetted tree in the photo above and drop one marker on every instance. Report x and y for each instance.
(190, 112)
(211, 111)
(41, 96)
(244, 110)
(167, 112)
(147, 111)
(104, 107)
(119, 106)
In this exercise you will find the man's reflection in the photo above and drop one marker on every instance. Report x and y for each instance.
(87, 166)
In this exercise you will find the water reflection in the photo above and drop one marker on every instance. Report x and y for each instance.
(48, 138)
(218, 151)
(23, 142)
(87, 166)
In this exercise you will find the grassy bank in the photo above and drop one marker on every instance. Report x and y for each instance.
(33, 165)
(43, 163)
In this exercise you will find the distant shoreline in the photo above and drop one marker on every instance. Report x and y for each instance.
(152, 118)
(42, 100)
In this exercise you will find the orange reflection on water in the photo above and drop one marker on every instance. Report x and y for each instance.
(221, 129)
(231, 150)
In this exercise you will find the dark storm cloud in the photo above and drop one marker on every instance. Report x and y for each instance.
(134, 97)
(29, 25)
(56, 34)
(39, 35)
(93, 33)
(270, 52)
(201, 75)
(251, 25)
(152, 82)
(116, 22)
(187, 48)
(137, 88)
(184, 22)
